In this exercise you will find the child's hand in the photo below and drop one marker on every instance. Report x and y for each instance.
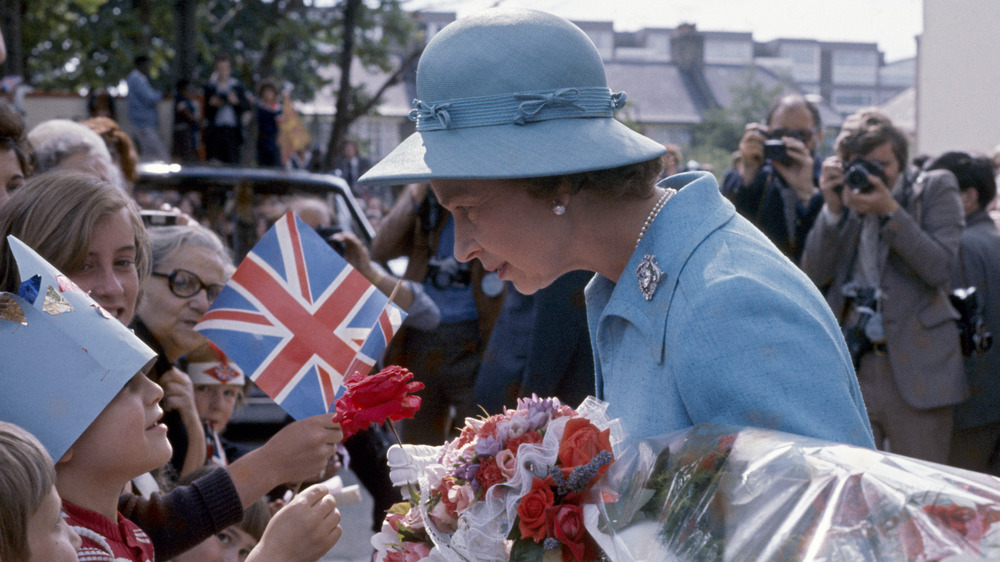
(301, 450)
(304, 530)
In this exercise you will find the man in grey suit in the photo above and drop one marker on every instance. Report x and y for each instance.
(975, 439)
(882, 250)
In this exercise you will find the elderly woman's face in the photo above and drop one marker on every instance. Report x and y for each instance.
(512, 233)
(109, 271)
(171, 318)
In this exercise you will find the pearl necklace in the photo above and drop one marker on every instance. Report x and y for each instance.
(667, 194)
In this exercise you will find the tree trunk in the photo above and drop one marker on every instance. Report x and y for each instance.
(342, 119)
(185, 33)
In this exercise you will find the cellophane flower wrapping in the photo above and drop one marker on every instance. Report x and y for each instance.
(715, 492)
(727, 493)
(468, 499)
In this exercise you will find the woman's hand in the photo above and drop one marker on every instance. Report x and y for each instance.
(178, 395)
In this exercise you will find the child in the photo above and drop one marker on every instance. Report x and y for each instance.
(126, 440)
(218, 388)
(31, 526)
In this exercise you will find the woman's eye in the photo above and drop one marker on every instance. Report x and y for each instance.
(230, 394)
(125, 263)
(223, 538)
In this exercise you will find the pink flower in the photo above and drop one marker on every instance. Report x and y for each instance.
(461, 497)
(507, 463)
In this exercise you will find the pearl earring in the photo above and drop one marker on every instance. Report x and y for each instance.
(559, 209)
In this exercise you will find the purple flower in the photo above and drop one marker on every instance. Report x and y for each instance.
(488, 447)
(466, 472)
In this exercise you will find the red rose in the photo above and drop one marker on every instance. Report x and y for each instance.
(565, 523)
(581, 441)
(376, 398)
(532, 508)
(488, 473)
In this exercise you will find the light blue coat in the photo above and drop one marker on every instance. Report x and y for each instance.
(735, 333)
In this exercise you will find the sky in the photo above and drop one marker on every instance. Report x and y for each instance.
(892, 24)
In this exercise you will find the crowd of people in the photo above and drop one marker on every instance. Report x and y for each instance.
(818, 296)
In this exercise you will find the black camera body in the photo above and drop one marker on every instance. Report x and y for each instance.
(775, 150)
(445, 273)
(326, 233)
(856, 174)
(858, 344)
(972, 330)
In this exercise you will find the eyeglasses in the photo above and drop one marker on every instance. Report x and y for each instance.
(804, 135)
(185, 284)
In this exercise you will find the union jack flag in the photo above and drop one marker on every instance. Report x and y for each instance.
(298, 319)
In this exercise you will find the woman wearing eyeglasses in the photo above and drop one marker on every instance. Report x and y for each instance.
(189, 267)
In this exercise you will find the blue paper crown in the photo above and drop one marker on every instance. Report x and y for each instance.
(62, 357)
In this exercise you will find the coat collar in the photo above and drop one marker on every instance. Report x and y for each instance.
(685, 221)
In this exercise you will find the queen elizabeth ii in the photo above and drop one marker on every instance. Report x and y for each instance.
(694, 316)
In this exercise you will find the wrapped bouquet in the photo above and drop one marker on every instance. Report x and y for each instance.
(512, 485)
(726, 493)
(546, 481)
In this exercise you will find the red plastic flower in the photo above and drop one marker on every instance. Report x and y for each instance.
(376, 398)
(565, 523)
(532, 509)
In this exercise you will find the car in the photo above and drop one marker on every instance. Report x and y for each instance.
(228, 197)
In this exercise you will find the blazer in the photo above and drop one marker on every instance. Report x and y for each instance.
(763, 203)
(981, 257)
(918, 246)
(735, 333)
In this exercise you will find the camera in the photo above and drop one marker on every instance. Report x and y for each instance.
(856, 174)
(854, 332)
(445, 273)
(974, 336)
(326, 233)
(158, 218)
(775, 150)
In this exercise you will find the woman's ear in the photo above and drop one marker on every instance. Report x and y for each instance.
(67, 456)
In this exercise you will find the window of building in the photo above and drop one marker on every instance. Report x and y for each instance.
(855, 67)
(851, 101)
(727, 51)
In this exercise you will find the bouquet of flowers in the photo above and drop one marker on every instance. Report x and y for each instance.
(512, 485)
(727, 493)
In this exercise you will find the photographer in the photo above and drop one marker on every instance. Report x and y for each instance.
(775, 188)
(976, 436)
(896, 241)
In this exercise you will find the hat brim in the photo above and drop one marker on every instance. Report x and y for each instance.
(540, 149)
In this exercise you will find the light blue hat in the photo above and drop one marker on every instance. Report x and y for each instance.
(512, 93)
(62, 357)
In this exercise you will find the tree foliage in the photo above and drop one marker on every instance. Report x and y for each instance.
(81, 45)
(719, 133)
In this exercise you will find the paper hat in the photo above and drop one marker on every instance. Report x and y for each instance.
(220, 371)
(62, 357)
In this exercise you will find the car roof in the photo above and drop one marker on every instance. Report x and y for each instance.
(265, 181)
